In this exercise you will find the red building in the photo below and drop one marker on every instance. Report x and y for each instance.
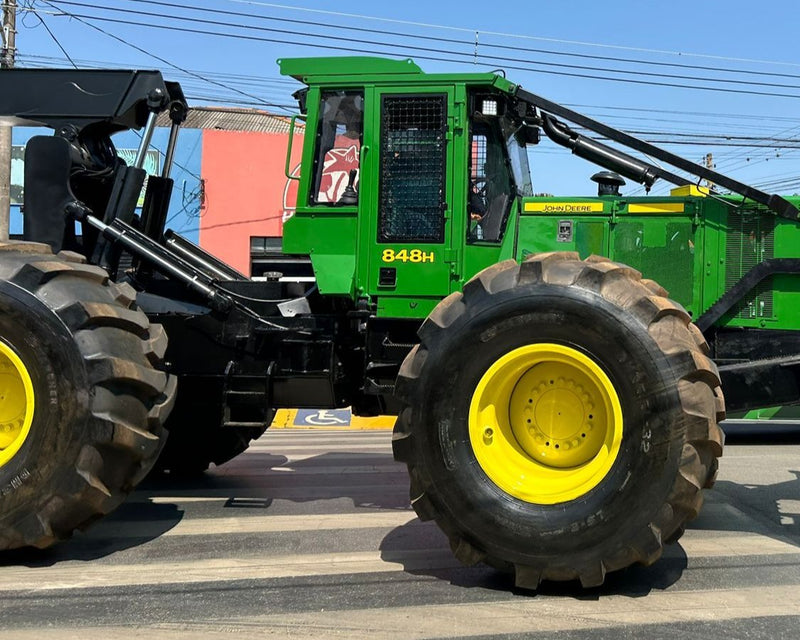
(245, 194)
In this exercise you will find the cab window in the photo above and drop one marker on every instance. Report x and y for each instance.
(490, 186)
(336, 159)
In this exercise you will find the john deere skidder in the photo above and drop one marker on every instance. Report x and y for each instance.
(557, 408)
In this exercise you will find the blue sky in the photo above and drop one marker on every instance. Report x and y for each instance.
(626, 63)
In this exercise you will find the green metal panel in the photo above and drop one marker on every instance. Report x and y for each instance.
(656, 236)
(539, 235)
(775, 414)
(662, 249)
(786, 300)
(329, 238)
(711, 261)
(478, 256)
(303, 68)
(365, 71)
(696, 247)
(565, 224)
(735, 237)
(591, 238)
(750, 240)
(421, 267)
(406, 306)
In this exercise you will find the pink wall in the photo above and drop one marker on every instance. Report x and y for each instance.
(246, 191)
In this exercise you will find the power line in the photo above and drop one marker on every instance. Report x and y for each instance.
(350, 28)
(249, 27)
(250, 80)
(473, 30)
(52, 35)
(718, 122)
(148, 53)
(98, 64)
(721, 137)
(190, 84)
(688, 113)
(394, 45)
(425, 57)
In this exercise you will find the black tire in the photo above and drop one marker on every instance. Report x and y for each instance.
(99, 397)
(196, 435)
(668, 390)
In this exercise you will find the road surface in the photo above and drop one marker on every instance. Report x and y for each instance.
(310, 534)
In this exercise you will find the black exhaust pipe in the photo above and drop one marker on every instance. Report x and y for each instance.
(598, 153)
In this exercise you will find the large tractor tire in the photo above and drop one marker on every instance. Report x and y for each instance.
(560, 420)
(82, 396)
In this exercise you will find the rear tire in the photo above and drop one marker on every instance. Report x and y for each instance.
(482, 422)
(196, 435)
(94, 402)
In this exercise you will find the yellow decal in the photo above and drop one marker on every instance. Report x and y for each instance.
(689, 190)
(564, 207)
(405, 255)
(656, 207)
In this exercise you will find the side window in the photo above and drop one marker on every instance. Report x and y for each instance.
(476, 198)
(339, 132)
(489, 186)
(412, 169)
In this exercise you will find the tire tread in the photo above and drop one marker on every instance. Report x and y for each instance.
(681, 342)
(123, 355)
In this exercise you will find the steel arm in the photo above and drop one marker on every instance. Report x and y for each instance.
(775, 203)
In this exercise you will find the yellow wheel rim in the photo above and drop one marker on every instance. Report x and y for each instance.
(16, 403)
(545, 423)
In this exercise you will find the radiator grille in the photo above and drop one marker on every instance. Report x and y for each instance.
(751, 239)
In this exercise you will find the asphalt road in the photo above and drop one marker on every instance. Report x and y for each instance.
(309, 534)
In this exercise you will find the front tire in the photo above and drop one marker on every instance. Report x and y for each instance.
(83, 395)
(561, 419)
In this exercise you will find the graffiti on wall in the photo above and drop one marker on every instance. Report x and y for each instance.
(152, 162)
(335, 177)
(339, 161)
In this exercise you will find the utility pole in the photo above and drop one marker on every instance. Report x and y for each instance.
(709, 163)
(8, 54)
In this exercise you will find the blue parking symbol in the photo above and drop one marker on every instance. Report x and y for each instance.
(324, 417)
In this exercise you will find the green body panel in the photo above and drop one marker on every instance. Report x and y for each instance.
(789, 414)
(694, 246)
(309, 68)
(697, 254)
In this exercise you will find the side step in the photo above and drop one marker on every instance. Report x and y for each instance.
(247, 399)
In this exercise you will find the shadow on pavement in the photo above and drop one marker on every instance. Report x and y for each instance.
(771, 509)
(131, 525)
(423, 550)
(369, 480)
(776, 505)
(247, 482)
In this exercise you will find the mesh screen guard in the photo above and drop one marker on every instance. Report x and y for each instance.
(412, 163)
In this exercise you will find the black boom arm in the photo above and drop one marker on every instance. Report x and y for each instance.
(633, 168)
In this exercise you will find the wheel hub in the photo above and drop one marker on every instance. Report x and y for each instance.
(545, 423)
(16, 403)
(557, 415)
